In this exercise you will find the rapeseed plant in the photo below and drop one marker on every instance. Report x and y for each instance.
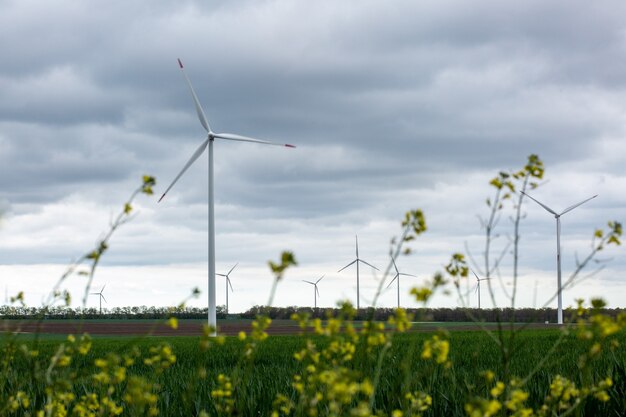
(340, 365)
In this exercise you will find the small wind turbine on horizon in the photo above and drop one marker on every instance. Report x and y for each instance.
(557, 216)
(208, 143)
(227, 276)
(101, 297)
(316, 292)
(357, 260)
(397, 278)
(478, 286)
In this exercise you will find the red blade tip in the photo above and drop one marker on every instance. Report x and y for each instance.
(290, 146)
(180, 63)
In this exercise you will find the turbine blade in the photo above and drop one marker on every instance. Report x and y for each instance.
(361, 260)
(347, 265)
(231, 285)
(478, 279)
(232, 136)
(105, 300)
(477, 287)
(193, 158)
(103, 288)
(541, 204)
(570, 208)
(196, 102)
(312, 283)
(408, 275)
(220, 275)
(391, 282)
(321, 278)
(317, 291)
(394, 265)
(231, 269)
(357, 246)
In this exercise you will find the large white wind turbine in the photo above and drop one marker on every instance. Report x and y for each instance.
(557, 216)
(316, 292)
(208, 143)
(227, 276)
(478, 286)
(101, 297)
(397, 278)
(357, 260)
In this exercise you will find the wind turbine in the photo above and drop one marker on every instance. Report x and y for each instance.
(557, 216)
(397, 278)
(101, 297)
(315, 291)
(211, 136)
(357, 260)
(478, 286)
(226, 275)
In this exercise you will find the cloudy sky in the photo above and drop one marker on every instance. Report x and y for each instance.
(392, 106)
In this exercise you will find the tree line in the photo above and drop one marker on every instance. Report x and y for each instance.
(520, 315)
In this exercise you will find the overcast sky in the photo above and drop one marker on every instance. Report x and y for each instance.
(392, 106)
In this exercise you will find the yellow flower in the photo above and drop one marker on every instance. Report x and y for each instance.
(492, 408)
(437, 348)
(488, 375)
(602, 396)
(64, 360)
(172, 322)
(422, 294)
(497, 390)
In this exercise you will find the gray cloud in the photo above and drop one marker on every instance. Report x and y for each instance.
(392, 106)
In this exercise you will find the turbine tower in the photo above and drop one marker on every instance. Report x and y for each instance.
(208, 143)
(397, 278)
(316, 292)
(357, 260)
(478, 286)
(101, 297)
(227, 276)
(557, 216)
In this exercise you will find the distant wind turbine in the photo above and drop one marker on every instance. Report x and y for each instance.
(316, 292)
(211, 136)
(478, 286)
(227, 276)
(357, 260)
(101, 297)
(397, 279)
(557, 216)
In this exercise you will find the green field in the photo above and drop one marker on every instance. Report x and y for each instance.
(271, 371)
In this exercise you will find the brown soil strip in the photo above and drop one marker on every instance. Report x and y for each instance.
(184, 328)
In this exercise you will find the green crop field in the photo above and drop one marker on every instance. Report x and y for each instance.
(184, 391)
